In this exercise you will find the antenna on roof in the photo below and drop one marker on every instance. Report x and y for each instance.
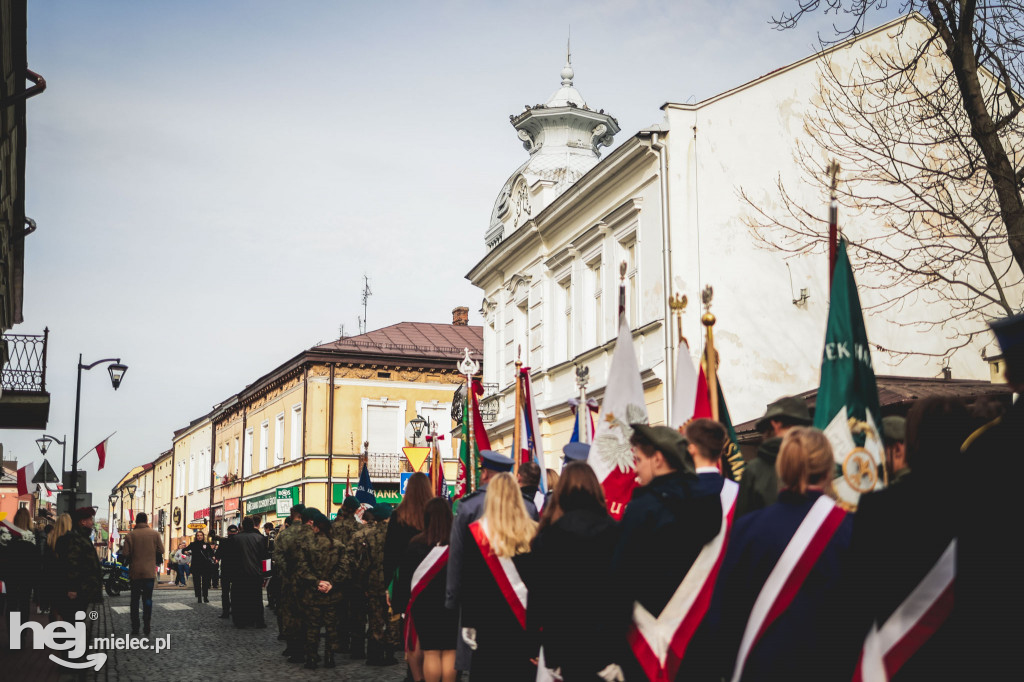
(366, 295)
(341, 331)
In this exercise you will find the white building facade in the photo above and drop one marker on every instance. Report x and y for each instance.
(666, 202)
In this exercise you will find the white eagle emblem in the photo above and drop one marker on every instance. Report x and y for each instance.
(613, 446)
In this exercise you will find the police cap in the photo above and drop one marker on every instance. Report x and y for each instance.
(489, 459)
(576, 452)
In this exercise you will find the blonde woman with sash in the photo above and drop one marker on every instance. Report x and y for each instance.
(494, 594)
(778, 612)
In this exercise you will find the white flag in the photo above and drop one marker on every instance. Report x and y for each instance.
(611, 454)
(684, 397)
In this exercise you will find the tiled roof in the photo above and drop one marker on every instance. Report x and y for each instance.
(413, 340)
(897, 394)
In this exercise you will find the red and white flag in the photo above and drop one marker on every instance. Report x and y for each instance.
(611, 455)
(266, 565)
(101, 452)
(691, 399)
(25, 475)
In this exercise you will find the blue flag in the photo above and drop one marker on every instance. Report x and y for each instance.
(364, 491)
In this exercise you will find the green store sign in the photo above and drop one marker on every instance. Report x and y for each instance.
(261, 504)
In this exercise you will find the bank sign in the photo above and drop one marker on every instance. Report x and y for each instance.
(286, 498)
(261, 504)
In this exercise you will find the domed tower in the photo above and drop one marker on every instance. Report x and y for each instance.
(564, 138)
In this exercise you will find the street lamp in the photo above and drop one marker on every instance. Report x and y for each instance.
(117, 371)
(417, 424)
(44, 445)
(113, 500)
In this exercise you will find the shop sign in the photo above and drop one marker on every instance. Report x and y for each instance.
(261, 504)
(286, 498)
(231, 504)
(201, 513)
(196, 526)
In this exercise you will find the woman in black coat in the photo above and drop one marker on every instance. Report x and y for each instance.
(572, 555)
(433, 627)
(203, 566)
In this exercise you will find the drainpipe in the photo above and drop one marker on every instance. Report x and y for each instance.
(330, 445)
(666, 265)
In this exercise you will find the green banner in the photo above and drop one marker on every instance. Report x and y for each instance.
(261, 504)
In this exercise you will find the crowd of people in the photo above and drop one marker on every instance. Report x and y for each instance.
(56, 567)
(703, 578)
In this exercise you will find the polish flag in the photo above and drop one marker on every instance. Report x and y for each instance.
(266, 565)
(101, 452)
(690, 399)
(611, 455)
(25, 475)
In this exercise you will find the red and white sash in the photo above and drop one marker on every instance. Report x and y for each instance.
(913, 622)
(660, 643)
(504, 571)
(428, 569)
(792, 568)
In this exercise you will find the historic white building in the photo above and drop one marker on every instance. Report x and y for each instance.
(666, 202)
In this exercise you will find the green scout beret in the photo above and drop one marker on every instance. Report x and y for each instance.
(894, 428)
(668, 441)
(309, 513)
(791, 408)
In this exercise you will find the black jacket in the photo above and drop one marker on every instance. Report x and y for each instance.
(759, 486)
(202, 557)
(395, 541)
(572, 558)
(251, 551)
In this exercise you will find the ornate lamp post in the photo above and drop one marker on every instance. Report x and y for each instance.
(117, 371)
(44, 445)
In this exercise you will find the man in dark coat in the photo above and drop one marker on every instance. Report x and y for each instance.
(227, 555)
(989, 591)
(663, 529)
(759, 486)
(471, 508)
(247, 583)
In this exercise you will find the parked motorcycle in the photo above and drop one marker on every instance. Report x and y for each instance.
(115, 578)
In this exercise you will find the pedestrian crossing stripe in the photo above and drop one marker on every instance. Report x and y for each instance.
(174, 606)
(121, 609)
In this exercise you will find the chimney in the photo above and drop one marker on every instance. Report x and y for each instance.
(460, 316)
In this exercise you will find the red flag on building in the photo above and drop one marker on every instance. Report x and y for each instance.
(25, 475)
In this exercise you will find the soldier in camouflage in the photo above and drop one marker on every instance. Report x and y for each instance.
(343, 528)
(284, 560)
(319, 574)
(384, 636)
(355, 571)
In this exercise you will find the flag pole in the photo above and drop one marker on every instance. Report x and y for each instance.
(517, 446)
(710, 355)
(469, 367)
(833, 219)
(582, 411)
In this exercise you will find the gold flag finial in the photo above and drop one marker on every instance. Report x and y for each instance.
(833, 174)
(678, 305)
(708, 318)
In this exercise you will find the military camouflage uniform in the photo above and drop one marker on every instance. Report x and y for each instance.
(319, 558)
(343, 528)
(355, 586)
(287, 550)
(384, 632)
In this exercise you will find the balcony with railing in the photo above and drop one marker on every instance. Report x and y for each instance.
(24, 401)
(386, 466)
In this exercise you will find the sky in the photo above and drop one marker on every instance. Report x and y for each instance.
(212, 180)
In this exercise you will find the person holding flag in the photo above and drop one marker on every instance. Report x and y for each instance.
(663, 530)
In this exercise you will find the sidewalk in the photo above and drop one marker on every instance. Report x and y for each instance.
(31, 664)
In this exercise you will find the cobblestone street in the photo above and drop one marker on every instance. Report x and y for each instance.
(204, 646)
